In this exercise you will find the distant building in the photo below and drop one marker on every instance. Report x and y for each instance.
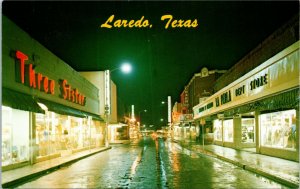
(116, 131)
(198, 88)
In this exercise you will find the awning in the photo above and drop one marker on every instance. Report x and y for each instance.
(20, 101)
(287, 100)
(61, 109)
(94, 116)
(66, 110)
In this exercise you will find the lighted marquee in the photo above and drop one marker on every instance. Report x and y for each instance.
(43, 83)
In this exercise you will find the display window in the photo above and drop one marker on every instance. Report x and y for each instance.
(57, 133)
(48, 133)
(228, 130)
(248, 128)
(15, 136)
(278, 129)
(97, 133)
(218, 130)
(79, 133)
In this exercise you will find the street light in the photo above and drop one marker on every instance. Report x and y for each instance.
(126, 68)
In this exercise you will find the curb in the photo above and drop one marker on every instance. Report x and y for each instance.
(253, 169)
(26, 178)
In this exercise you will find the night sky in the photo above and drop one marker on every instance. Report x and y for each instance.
(163, 60)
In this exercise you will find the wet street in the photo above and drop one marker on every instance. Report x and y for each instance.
(148, 163)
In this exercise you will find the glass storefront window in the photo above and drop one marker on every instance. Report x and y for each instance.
(228, 130)
(15, 136)
(218, 130)
(98, 135)
(60, 134)
(248, 128)
(47, 133)
(278, 129)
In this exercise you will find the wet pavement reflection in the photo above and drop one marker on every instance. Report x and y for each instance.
(150, 163)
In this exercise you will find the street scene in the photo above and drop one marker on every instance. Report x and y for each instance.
(148, 163)
(150, 94)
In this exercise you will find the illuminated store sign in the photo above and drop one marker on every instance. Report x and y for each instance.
(71, 94)
(29, 77)
(225, 97)
(36, 80)
(258, 82)
(279, 73)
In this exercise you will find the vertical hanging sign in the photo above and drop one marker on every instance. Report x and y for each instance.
(132, 112)
(169, 109)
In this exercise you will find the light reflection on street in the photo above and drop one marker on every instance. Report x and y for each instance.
(148, 163)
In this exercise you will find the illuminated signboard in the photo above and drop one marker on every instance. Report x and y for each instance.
(28, 76)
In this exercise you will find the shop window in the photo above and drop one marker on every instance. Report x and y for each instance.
(228, 130)
(15, 136)
(218, 130)
(60, 134)
(248, 128)
(48, 133)
(278, 129)
(99, 133)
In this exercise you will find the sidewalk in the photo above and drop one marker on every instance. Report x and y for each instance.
(15, 176)
(277, 169)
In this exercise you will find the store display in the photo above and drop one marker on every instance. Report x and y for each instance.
(15, 132)
(248, 126)
(218, 130)
(278, 129)
(228, 130)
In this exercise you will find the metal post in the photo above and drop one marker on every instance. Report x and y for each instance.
(203, 137)
(89, 122)
(106, 129)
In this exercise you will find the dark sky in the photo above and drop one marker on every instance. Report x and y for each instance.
(163, 60)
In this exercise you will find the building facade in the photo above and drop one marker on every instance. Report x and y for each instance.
(199, 88)
(116, 131)
(97, 79)
(260, 109)
(48, 109)
(256, 102)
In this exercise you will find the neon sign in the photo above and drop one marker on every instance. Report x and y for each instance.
(28, 76)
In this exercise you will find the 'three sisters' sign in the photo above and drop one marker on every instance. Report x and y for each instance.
(43, 83)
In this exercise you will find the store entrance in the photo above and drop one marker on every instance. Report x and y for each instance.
(248, 132)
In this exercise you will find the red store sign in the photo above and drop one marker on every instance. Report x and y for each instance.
(43, 83)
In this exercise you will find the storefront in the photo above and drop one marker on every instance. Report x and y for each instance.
(259, 110)
(48, 109)
(118, 132)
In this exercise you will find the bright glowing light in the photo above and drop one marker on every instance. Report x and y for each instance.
(6, 108)
(43, 106)
(126, 68)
